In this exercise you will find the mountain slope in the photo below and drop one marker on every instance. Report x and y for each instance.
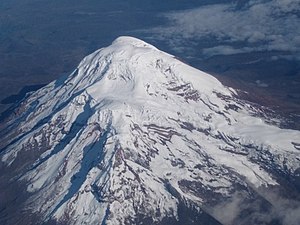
(135, 136)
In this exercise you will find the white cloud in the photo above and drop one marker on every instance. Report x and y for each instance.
(257, 26)
(225, 50)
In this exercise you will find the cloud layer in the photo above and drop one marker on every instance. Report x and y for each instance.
(257, 25)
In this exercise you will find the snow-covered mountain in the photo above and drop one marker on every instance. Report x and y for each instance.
(135, 136)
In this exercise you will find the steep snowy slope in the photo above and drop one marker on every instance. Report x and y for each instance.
(135, 136)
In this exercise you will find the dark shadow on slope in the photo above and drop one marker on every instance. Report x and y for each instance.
(13, 194)
(78, 124)
(92, 156)
(39, 123)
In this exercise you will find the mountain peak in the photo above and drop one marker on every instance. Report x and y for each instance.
(127, 40)
(130, 68)
(135, 136)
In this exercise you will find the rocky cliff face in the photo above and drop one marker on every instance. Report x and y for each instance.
(135, 136)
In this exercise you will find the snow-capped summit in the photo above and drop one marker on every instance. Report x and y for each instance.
(135, 136)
